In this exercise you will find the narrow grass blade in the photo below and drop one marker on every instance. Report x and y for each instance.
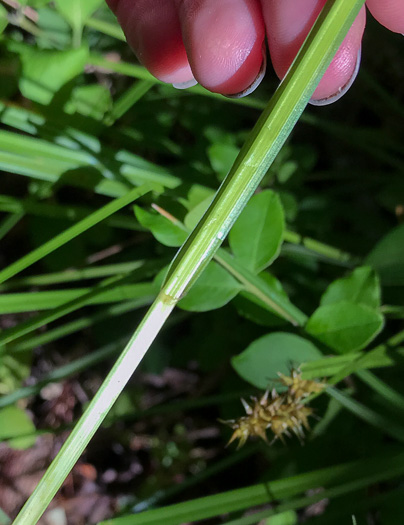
(59, 211)
(13, 303)
(127, 100)
(74, 275)
(257, 287)
(357, 474)
(143, 292)
(384, 423)
(115, 310)
(72, 232)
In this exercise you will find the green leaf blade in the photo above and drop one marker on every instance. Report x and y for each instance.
(257, 235)
(345, 326)
(163, 230)
(361, 287)
(261, 361)
(387, 257)
(214, 289)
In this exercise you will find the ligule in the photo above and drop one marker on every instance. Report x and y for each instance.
(283, 414)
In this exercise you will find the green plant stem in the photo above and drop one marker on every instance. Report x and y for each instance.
(393, 311)
(77, 32)
(261, 148)
(318, 248)
(254, 285)
(107, 28)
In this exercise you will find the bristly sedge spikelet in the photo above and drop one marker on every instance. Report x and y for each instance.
(283, 414)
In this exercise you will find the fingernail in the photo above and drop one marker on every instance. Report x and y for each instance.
(341, 92)
(185, 85)
(258, 79)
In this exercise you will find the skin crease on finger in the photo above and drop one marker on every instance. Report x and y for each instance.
(224, 40)
(288, 23)
(152, 29)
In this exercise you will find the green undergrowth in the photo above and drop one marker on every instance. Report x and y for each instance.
(105, 172)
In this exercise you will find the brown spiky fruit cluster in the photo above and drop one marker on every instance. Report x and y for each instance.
(283, 414)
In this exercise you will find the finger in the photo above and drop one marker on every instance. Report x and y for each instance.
(224, 41)
(288, 23)
(153, 31)
(390, 13)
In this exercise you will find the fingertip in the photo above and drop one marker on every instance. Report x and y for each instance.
(224, 42)
(389, 13)
(153, 31)
(342, 90)
(253, 86)
(344, 68)
(287, 24)
(287, 28)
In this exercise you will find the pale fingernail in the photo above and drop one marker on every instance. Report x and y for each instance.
(341, 92)
(258, 79)
(185, 85)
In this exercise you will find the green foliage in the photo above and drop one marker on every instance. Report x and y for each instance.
(256, 237)
(44, 73)
(221, 156)
(345, 326)
(311, 275)
(387, 257)
(361, 287)
(76, 12)
(276, 352)
(14, 369)
(3, 19)
(162, 228)
(252, 307)
(214, 288)
(16, 426)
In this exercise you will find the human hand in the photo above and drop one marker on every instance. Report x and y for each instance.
(220, 43)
